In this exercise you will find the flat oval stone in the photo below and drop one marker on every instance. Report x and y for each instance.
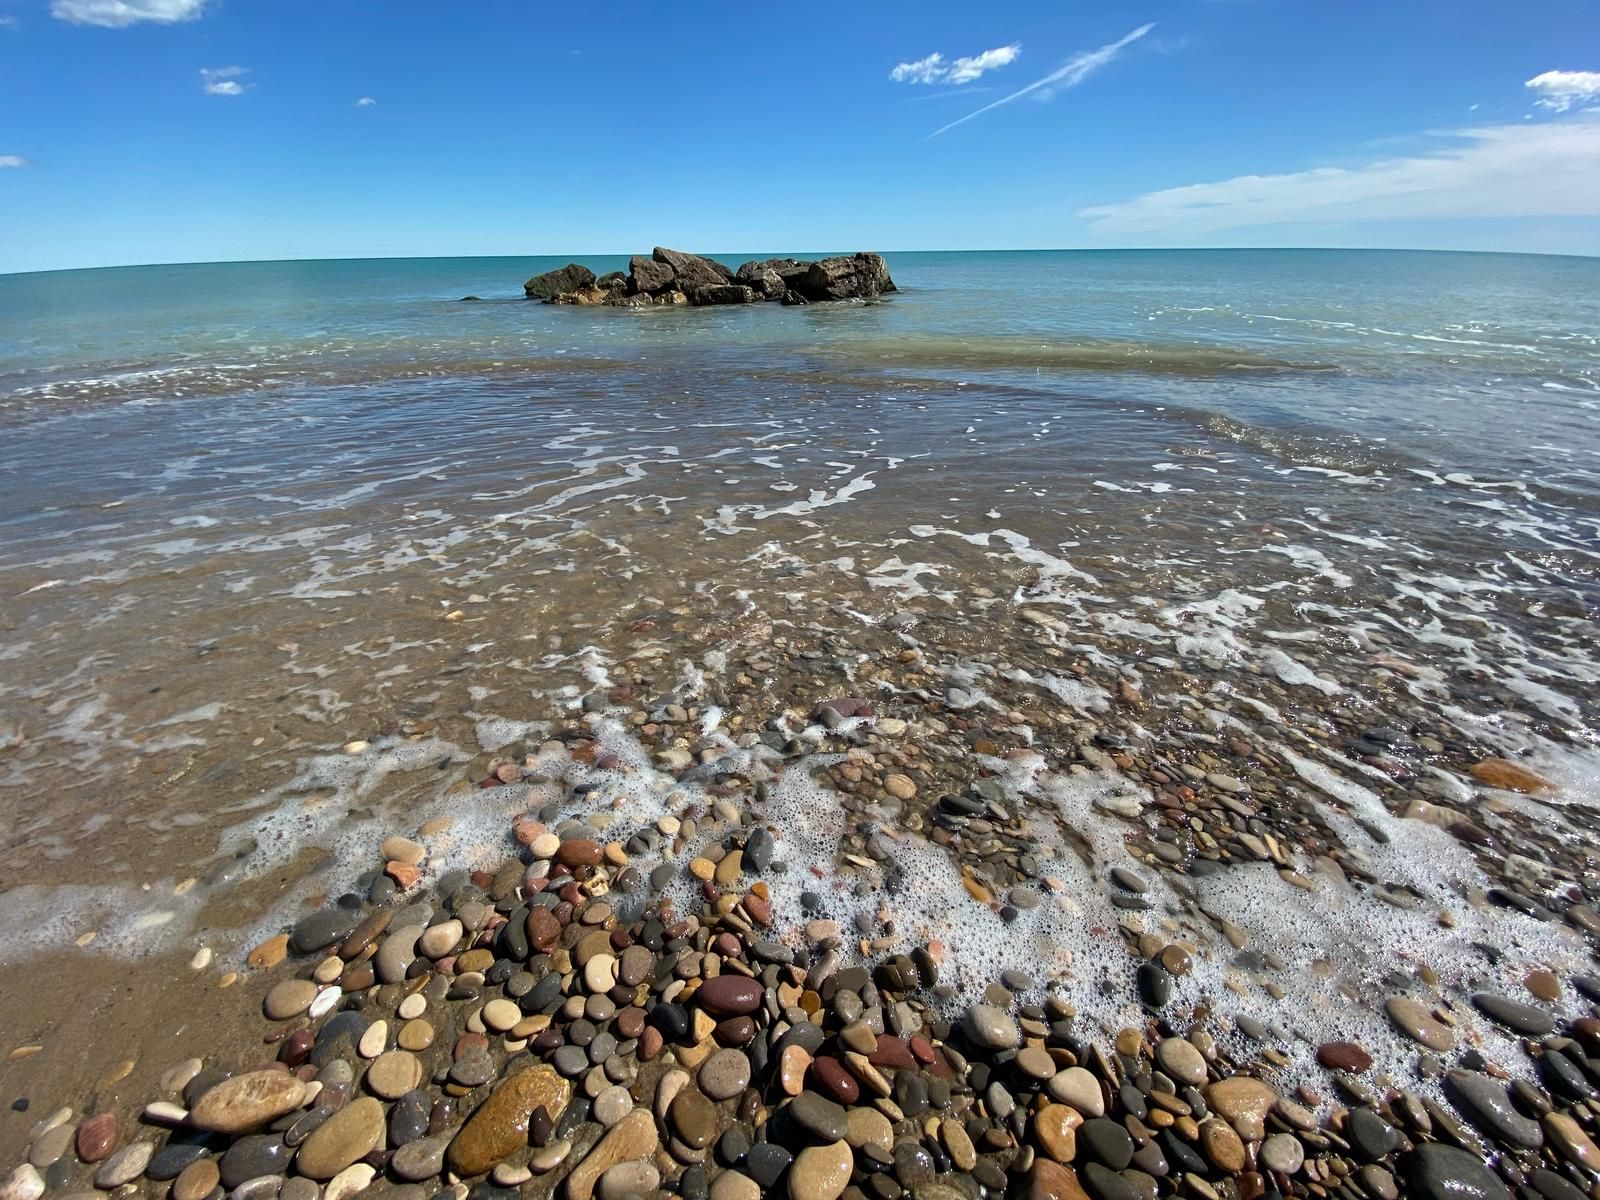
(288, 998)
(629, 1140)
(1178, 1058)
(95, 1138)
(1514, 1014)
(730, 995)
(1487, 1104)
(820, 1172)
(1078, 1088)
(246, 1102)
(1439, 1172)
(197, 1180)
(725, 1074)
(1343, 1056)
(438, 940)
(821, 1118)
(1418, 1024)
(1282, 1152)
(421, 1159)
(394, 1073)
(694, 1119)
(322, 929)
(124, 1166)
(627, 1180)
(350, 1134)
(991, 1028)
(500, 1125)
(397, 953)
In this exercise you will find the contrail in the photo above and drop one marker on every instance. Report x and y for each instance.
(1077, 69)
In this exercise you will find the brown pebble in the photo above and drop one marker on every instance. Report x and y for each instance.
(197, 1180)
(96, 1137)
(270, 952)
(1343, 1056)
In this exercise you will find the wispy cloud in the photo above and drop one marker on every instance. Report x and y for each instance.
(1561, 90)
(1070, 74)
(1528, 169)
(365, 102)
(934, 68)
(9, 22)
(116, 14)
(12, 160)
(224, 81)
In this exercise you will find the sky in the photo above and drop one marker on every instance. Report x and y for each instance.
(135, 131)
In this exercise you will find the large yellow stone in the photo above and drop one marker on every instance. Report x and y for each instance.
(500, 1126)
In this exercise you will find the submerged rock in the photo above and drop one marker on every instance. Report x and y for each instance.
(558, 282)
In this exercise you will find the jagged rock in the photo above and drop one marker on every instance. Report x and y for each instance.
(772, 277)
(691, 271)
(648, 275)
(559, 282)
(858, 275)
(615, 281)
(585, 296)
(792, 297)
(723, 293)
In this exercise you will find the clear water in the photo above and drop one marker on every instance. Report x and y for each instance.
(253, 511)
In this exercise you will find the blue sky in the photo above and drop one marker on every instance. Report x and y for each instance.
(178, 130)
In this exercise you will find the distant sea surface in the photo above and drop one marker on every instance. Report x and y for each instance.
(251, 511)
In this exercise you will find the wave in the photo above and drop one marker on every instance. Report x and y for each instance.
(943, 353)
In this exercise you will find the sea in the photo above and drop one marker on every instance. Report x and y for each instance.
(290, 550)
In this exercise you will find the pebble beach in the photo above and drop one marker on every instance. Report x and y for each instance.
(843, 797)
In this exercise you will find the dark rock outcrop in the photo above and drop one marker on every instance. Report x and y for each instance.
(856, 276)
(670, 277)
(558, 282)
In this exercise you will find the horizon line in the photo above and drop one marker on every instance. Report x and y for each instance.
(236, 262)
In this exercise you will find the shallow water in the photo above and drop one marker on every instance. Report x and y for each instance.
(255, 512)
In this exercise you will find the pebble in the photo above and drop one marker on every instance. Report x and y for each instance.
(24, 1183)
(630, 1139)
(1343, 1056)
(694, 1119)
(611, 1105)
(95, 1138)
(991, 1029)
(730, 995)
(1056, 1127)
(354, 1178)
(289, 998)
(1078, 1088)
(197, 1180)
(821, 1118)
(1487, 1104)
(1514, 1014)
(52, 1144)
(438, 940)
(629, 1180)
(500, 1125)
(1282, 1152)
(246, 1102)
(1418, 1024)
(351, 1133)
(1438, 1172)
(820, 1172)
(421, 1159)
(124, 1166)
(725, 1074)
(393, 1074)
(1179, 1059)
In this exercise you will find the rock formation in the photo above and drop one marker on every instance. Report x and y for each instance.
(672, 277)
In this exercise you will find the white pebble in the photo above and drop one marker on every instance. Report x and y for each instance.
(373, 1040)
(413, 1006)
(327, 999)
(201, 959)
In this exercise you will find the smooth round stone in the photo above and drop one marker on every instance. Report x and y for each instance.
(868, 1127)
(170, 1161)
(262, 1187)
(51, 1145)
(1440, 1172)
(393, 1074)
(1514, 1014)
(94, 1138)
(611, 1105)
(412, 1007)
(990, 1028)
(300, 1188)
(500, 1015)
(24, 1183)
(725, 1074)
(349, 1135)
(820, 1172)
(628, 1180)
(124, 1166)
(415, 1035)
(1179, 1059)
(1282, 1152)
(354, 1178)
(322, 929)
(1056, 1128)
(197, 1180)
(438, 940)
(570, 1060)
(730, 995)
(1487, 1104)
(1035, 1062)
(765, 1162)
(600, 973)
(254, 1156)
(731, 1185)
(1106, 1142)
(1418, 1024)
(1078, 1088)
(373, 1040)
(694, 1119)
(1223, 1147)
(1370, 1135)
(421, 1159)
(1344, 1056)
(246, 1102)
(288, 998)
(820, 1117)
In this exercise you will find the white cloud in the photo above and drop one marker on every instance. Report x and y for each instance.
(365, 102)
(1560, 90)
(934, 69)
(8, 22)
(1070, 74)
(117, 14)
(223, 81)
(1543, 169)
(12, 160)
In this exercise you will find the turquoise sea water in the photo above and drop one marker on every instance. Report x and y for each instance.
(236, 499)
